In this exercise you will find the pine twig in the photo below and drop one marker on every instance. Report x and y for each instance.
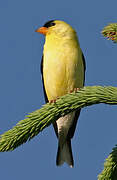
(36, 121)
(110, 167)
(110, 32)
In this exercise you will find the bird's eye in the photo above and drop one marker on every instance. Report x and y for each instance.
(49, 23)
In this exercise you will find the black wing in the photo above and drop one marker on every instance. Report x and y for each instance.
(45, 95)
(84, 63)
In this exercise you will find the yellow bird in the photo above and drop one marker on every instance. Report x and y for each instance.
(63, 70)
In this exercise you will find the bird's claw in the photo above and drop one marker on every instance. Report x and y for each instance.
(53, 100)
(74, 90)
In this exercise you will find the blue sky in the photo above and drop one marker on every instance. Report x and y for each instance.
(21, 87)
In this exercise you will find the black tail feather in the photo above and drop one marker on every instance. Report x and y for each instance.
(64, 154)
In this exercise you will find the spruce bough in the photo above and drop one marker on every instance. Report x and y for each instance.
(110, 167)
(36, 121)
(110, 31)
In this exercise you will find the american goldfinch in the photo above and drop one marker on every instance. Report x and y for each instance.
(63, 70)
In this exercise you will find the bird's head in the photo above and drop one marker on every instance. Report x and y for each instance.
(57, 27)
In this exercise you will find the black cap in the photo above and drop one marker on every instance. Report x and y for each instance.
(49, 24)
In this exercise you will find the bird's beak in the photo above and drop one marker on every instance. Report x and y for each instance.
(42, 30)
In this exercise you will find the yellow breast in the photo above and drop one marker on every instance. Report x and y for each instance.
(62, 67)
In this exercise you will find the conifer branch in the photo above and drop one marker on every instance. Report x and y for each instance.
(110, 32)
(36, 121)
(110, 167)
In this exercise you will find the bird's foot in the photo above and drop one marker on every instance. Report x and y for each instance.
(74, 90)
(53, 100)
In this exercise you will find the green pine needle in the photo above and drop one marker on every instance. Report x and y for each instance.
(110, 32)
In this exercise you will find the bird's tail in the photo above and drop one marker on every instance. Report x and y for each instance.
(64, 154)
